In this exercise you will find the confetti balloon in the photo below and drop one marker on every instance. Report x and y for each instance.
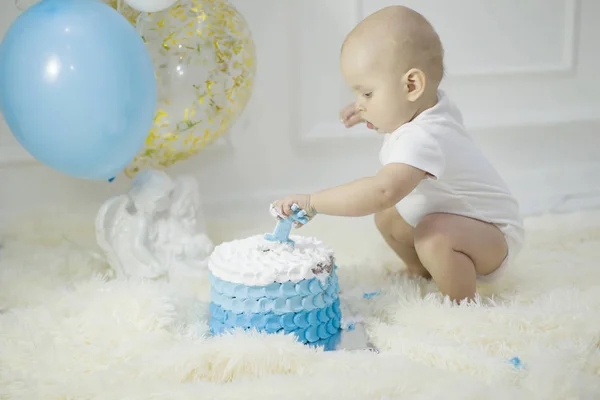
(125, 10)
(151, 5)
(204, 59)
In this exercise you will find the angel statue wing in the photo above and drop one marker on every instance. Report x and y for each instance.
(110, 219)
(122, 233)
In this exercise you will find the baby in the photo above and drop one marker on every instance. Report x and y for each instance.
(437, 200)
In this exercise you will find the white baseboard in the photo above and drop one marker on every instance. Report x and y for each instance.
(557, 203)
(549, 169)
(14, 155)
(560, 189)
(583, 201)
(257, 205)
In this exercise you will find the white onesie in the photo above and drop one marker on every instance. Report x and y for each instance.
(464, 182)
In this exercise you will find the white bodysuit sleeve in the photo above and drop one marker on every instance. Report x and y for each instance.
(417, 148)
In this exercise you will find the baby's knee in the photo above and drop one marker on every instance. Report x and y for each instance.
(384, 220)
(391, 224)
(431, 242)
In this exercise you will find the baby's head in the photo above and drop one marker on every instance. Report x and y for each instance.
(393, 60)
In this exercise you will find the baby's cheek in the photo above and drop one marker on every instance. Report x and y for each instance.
(388, 113)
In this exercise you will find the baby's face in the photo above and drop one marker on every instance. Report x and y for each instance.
(380, 98)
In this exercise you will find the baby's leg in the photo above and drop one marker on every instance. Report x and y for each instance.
(455, 249)
(399, 236)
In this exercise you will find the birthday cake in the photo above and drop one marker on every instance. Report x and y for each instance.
(272, 286)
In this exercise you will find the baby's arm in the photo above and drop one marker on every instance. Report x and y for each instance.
(361, 197)
(370, 195)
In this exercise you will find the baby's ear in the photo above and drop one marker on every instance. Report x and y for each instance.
(414, 83)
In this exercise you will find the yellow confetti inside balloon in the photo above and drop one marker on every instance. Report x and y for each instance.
(126, 11)
(204, 58)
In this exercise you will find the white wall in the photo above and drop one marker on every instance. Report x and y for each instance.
(524, 72)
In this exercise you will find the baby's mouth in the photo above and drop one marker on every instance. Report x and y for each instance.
(370, 125)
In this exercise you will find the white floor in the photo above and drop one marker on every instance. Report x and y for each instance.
(68, 333)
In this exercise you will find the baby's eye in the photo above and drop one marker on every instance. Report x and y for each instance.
(368, 95)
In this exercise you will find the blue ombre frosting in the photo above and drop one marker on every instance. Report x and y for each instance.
(277, 298)
(310, 309)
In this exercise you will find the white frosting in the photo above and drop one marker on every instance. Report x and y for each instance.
(255, 261)
(156, 230)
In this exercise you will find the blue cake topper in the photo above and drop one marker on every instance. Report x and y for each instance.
(284, 226)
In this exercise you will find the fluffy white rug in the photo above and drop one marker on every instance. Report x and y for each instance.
(70, 331)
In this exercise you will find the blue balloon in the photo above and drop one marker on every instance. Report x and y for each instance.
(77, 87)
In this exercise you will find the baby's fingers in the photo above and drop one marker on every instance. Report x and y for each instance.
(275, 211)
(353, 120)
(287, 208)
(301, 222)
(297, 225)
(347, 112)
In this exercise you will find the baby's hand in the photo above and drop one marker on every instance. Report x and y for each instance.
(283, 208)
(349, 116)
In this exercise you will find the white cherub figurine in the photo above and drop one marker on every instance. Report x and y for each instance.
(157, 230)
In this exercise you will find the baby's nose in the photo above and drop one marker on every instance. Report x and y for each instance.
(359, 108)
